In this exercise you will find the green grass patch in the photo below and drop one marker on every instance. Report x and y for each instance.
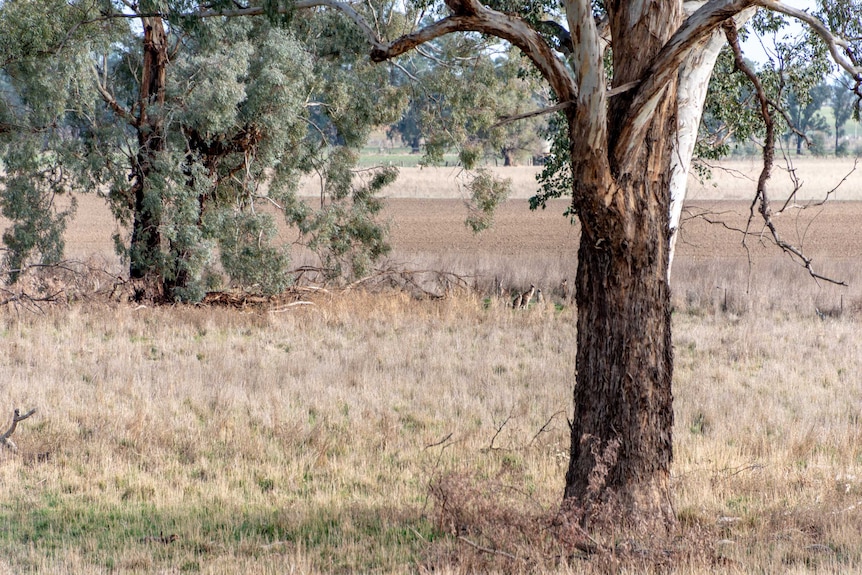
(53, 526)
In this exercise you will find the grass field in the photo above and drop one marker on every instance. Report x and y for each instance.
(373, 432)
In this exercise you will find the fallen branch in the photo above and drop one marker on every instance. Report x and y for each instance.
(16, 417)
(162, 538)
(287, 307)
(488, 550)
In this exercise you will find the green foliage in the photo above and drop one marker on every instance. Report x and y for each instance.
(845, 105)
(458, 104)
(247, 254)
(730, 114)
(29, 201)
(41, 157)
(343, 231)
(791, 78)
(555, 179)
(486, 193)
(249, 105)
(805, 114)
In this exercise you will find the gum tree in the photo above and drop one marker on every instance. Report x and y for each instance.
(630, 80)
(631, 118)
(188, 126)
(844, 107)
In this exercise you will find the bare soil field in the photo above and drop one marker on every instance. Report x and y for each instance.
(426, 210)
(540, 247)
(730, 180)
(711, 229)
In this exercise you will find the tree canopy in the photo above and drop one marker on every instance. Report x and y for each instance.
(188, 127)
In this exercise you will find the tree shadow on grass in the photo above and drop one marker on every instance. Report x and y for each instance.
(138, 536)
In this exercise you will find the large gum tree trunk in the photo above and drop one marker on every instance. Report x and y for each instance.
(621, 444)
(623, 414)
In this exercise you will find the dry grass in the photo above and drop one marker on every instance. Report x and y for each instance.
(322, 439)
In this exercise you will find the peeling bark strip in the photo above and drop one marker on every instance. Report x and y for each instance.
(665, 65)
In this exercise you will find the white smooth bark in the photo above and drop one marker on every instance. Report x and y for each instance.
(694, 76)
(701, 24)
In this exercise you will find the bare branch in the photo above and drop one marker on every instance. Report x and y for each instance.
(5, 439)
(545, 427)
(499, 430)
(441, 442)
(488, 550)
(761, 196)
(504, 120)
(836, 186)
(109, 98)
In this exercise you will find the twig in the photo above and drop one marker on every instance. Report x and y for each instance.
(436, 443)
(738, 470)
(544, 427)
(500, 429)
(287, 307)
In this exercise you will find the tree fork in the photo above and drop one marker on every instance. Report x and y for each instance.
(6, 438)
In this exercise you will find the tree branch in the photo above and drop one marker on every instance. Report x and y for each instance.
(847, 60)
(694, 74)
(504, 120)
(5, 439)
(109, 98)
(588, 50)
(488, 550)
(472, 16)
(768, 160)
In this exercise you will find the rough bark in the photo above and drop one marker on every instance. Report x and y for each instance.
(625, 358)
(145, 243)
(622, 397)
